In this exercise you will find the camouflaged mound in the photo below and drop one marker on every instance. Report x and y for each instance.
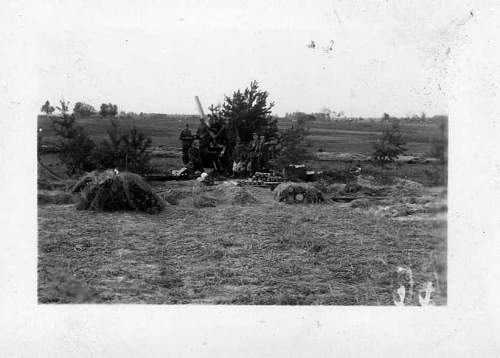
(292, 193)
(116, 191)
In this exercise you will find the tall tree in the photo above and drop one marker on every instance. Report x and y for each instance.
(248, 111)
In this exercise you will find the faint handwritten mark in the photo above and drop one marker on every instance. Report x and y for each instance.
(312, 45)
(466, 19)
(329, 48)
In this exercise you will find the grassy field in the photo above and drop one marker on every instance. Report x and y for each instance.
(353, 137)
(268, 253)
(265, 253)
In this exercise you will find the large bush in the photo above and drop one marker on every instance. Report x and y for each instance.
(390, 145)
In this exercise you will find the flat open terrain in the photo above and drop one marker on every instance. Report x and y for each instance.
(266, 253)
(331, 136)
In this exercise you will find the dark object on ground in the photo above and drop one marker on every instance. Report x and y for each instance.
(113, 191)
(54, 197)
(337, 176)
(296, 172)
(298, 193)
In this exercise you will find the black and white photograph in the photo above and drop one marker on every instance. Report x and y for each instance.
(200, 160)
(270, 178)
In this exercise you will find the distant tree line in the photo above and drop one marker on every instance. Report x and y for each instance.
(84, 110)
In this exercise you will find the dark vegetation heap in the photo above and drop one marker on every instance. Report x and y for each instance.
(115, 191)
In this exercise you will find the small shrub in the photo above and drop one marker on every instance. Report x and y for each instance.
(75, 145)
(390, 145)
(125, 151)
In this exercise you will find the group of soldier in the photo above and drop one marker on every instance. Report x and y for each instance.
(219, 147)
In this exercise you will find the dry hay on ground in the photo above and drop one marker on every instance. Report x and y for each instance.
(291, 192)
(200, 198)
(173, 192)
(225, 193)
(267, 254)
(54, 197)
(230, 193)
(112, 191)
(402, 198)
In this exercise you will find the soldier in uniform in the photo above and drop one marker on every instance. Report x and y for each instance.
(262, 154)
(203, 134)
(239, 157)
(195, 163)
(186, 139)
(253, 154)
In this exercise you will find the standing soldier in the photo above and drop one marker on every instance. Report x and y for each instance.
(186, 139)
(253, 154)
(203, 135)
(262, 154)
(194, 155)
(239, 157)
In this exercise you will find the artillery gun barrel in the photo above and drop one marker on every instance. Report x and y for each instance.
(200, 110)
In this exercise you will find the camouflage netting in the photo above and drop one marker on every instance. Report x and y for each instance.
(298, 193)
(113, 191)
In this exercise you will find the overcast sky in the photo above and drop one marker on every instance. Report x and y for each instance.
(152, 56)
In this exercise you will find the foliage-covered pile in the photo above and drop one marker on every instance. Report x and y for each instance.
(116, 191)
(298, 193)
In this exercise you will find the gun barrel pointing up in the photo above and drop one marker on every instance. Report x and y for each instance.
(200, 109)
